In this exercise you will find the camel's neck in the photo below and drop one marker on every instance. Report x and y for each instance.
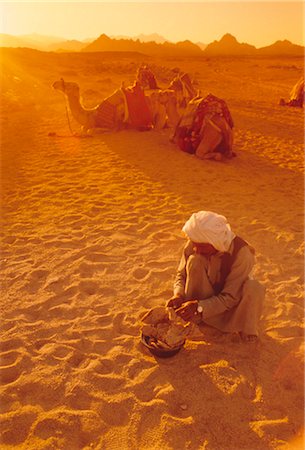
(83, 116)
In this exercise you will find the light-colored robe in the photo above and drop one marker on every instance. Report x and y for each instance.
(237, 308)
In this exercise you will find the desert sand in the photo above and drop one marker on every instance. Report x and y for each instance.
(91, 239)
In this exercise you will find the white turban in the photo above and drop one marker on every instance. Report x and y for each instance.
(209, 227)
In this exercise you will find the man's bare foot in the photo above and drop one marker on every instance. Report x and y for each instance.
(248, 337)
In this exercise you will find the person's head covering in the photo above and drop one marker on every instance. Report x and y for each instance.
(209, 227)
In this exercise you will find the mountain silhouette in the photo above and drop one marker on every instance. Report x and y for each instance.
(68, 46)
(282, 48)
(105, 43)
(228, 45)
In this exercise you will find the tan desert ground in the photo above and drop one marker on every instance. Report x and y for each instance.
(91, 231)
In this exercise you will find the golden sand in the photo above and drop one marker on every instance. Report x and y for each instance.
(91, 240)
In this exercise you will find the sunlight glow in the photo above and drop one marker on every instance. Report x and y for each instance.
(257, 23)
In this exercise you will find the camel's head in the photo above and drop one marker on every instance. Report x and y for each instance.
(176, 84)
(67, 87)
(184, 89)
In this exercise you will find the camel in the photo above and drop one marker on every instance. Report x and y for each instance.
(146, 78)
(184, 89)
(296, 95)
(216, 140)
(159, 109)
(181, 85)
(206, 129)
(163, 105)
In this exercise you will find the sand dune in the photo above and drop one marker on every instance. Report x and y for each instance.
(91, 240)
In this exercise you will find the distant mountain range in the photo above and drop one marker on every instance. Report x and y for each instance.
(105, 43)
(228, 45)
(67, 46)
(284, 48)
(153, 45)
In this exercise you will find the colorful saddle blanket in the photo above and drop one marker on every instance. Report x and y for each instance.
(199, 110)
(139, 113)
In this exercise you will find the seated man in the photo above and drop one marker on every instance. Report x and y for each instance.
(212, 284)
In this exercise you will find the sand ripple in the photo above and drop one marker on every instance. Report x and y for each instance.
(91, 238)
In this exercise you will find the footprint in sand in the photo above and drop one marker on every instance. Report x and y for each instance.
(67, 428)
(6, 403)
(102, 321)
(79, 398)
(10, 325)
(88, 287)
(12, 364)
(44, 392)
(117, 412)
(36, 279)
(226, 378)
(94, 211)
(122, 325)
(16, 427)
(144, 383)
(140, 273)
(86, 270)
(105, 366)
(108, 292)
(101, 309)
(9, 239)
(11, 344)
(102, 347)
(136, 366)
(108, 383)
(55, 284)
(66, 311)
(78, 359)
(58, 352)
(39, 343)
(45, 428)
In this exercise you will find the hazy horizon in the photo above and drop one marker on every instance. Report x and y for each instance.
(256, 23)
(41, 41)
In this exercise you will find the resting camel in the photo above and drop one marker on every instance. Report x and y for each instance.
(146, 78)
(216, 140)
(184, 89)
(206, 129)
(158, 109)
(296, 95)
(181, 85)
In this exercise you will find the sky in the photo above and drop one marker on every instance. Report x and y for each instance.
(254, 22)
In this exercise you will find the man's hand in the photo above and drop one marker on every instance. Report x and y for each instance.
(188, 311)
(175, 302)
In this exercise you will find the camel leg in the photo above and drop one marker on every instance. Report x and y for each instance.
(160, 118)
(227, 134)
(213, 155)
(211, 138)
(173, 116)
